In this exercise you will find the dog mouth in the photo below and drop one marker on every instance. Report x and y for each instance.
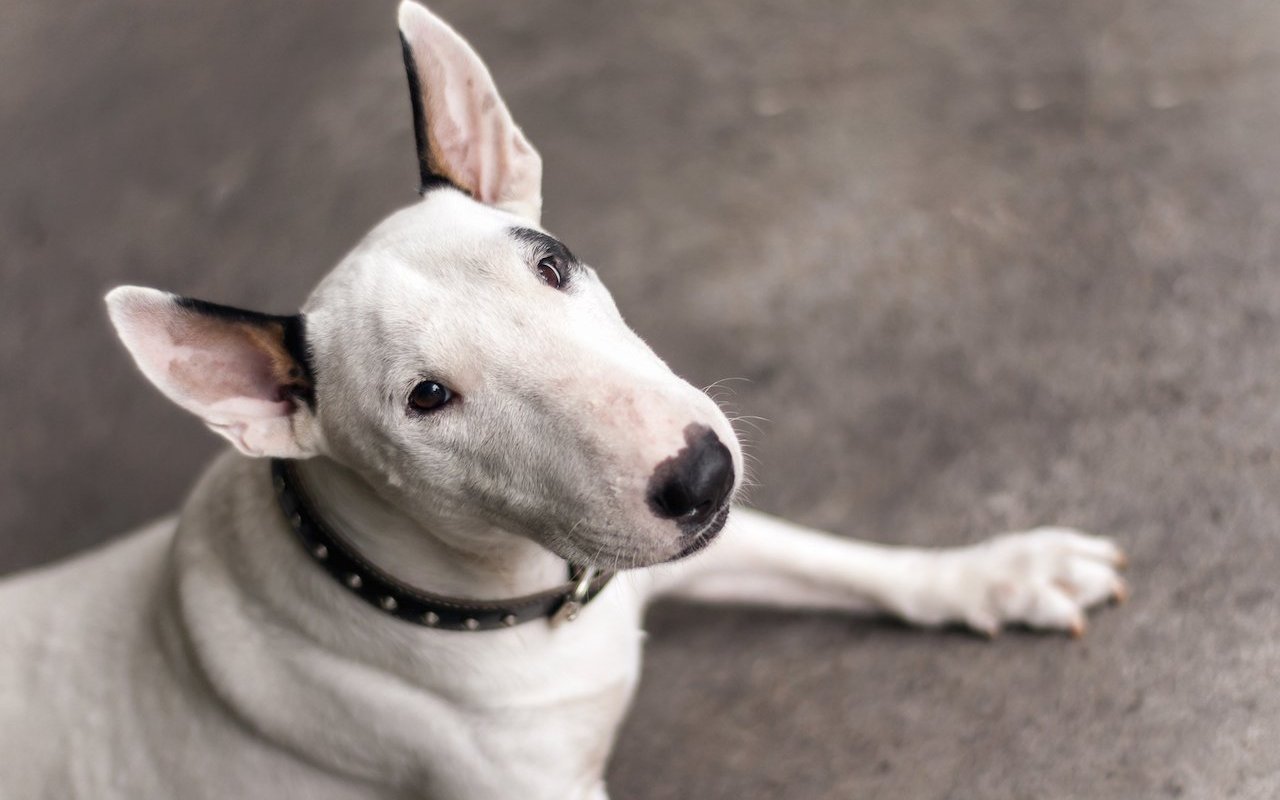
(699, 539)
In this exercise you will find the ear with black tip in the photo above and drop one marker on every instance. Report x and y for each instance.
(245, 374)
(465, 134)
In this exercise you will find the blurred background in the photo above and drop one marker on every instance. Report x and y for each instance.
(980, 266)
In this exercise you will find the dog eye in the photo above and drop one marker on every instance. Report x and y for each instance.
(428, 396)
(549, 269)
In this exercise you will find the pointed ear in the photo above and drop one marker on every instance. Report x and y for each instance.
(245, 374)
(465, 133)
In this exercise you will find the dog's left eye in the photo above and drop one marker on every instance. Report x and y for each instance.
(551, 271)
(428, 396)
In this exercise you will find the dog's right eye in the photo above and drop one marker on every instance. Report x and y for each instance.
(551, 270)
(428, 396)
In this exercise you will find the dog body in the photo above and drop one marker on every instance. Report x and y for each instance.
(463, 401)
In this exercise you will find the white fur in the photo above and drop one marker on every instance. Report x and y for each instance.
(208, 657)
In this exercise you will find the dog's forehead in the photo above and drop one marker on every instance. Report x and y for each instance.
(439, 275)
(446, 232)
(446, 242)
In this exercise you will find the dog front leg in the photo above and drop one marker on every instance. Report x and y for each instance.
(1042, 578)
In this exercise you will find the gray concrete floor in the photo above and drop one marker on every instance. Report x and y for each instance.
(982, 265)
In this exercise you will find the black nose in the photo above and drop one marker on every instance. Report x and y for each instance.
(691, 486)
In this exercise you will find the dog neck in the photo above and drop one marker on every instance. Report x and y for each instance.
(301, 663)
(479, 562)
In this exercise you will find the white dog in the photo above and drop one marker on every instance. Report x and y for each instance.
(399, 586)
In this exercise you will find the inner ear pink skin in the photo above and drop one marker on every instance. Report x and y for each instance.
(215, 362)
(470, 138)
(233, 369)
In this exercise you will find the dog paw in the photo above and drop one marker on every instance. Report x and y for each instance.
(1045, 578)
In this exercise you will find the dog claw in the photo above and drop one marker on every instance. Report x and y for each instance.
(1077, 628)
(1121, 593)
(985, 625)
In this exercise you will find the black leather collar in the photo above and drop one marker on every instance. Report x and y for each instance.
(341, 560)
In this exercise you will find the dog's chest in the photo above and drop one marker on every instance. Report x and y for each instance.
(538, 710)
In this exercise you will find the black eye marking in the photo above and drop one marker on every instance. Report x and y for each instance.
(551, 260)
(429, 396)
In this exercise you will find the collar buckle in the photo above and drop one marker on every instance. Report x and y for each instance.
(575, 599)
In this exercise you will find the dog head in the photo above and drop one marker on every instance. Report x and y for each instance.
(461, 359)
